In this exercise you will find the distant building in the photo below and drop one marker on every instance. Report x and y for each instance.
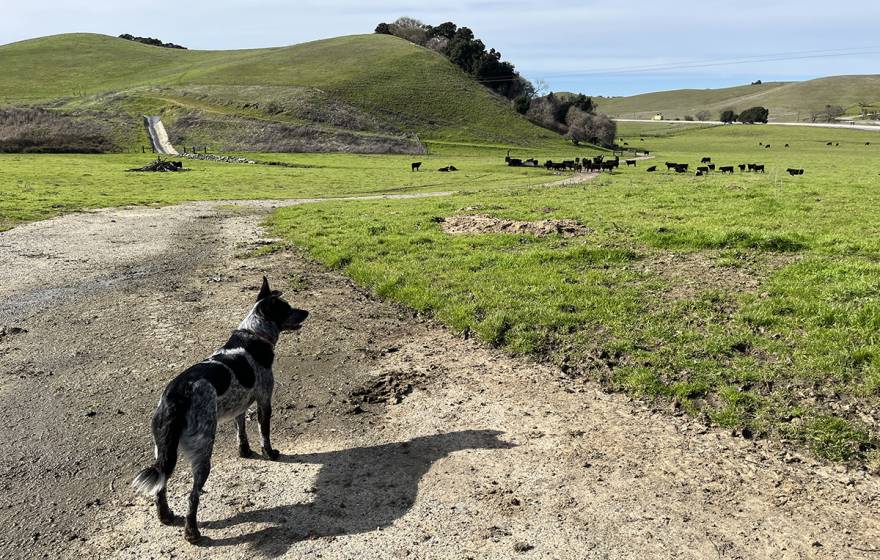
(657, 117)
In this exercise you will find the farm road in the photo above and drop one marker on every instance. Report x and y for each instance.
(399, 439)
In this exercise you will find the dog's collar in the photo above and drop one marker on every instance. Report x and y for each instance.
(262, 335)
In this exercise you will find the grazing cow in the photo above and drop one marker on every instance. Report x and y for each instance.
(598, 159)
(828, 143)
(711, 166)
(699, 173)
(681, 168)
(646, 152)
(767, 146)
(760, 143)
(867, 143)
(759, 167)
(787, 146)
(415, 166)
(532, 162)
(742, 167)
(514, 162)
(630, 163)
(443, 169)
(670, 165)
(568, 164)
(703, 170)
(752, 166)
(626, 143)
(706, 159)
(837, 143)
(794, 172)
(726, 169)
(642, 139)
(652, 169)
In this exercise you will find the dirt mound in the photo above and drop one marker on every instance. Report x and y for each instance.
(487, 224)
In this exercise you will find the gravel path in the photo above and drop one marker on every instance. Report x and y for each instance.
(399, 439)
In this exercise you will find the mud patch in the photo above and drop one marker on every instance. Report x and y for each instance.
(481, 223)
(690, 274)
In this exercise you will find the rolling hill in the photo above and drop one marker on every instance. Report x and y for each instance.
(787, 101)
(362, 93)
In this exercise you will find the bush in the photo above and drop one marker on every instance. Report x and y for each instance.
(829, 114)
(589, 127)
(150, 41)
(383, 29)
(728, 116)
(522, 104)
(754, 115)
(703, 115)
(42, 131)
(688, 118)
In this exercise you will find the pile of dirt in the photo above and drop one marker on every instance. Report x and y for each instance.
(161, 166)
(487, 224)
(390, 388)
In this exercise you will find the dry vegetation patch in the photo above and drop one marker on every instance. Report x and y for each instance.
(481, 223)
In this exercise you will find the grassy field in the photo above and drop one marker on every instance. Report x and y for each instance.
(379, 84)
(34, 187)
(748, 300)
(787, 101)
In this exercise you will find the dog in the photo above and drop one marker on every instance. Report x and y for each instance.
(221, 387)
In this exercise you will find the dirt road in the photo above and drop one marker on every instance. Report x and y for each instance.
(399, 440)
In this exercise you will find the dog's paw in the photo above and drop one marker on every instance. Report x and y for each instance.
(244, 451)
(192, 534)
(271, 454)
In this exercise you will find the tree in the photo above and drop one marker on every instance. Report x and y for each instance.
(410, 29)
(589, 127)
(383, 29)
(754, 115)
(688, 118)
(522, 104)
(446, 30)
(728, 116)
(703, 115)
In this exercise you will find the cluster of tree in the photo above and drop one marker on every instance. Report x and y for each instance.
(150, 41)
(463, 49)
(749, 116)
(574, 117)
(828, 114)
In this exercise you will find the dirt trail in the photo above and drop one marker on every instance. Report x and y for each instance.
(399, 439)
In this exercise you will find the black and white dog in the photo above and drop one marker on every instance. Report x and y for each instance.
(221, 387)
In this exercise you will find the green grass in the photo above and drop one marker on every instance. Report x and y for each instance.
(790, 352)
(34, 187)
(787, 101)
(372, 83)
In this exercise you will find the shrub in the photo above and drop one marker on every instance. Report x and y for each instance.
(728, 116)
(589, 127)
(522, 104)
(150, 41)
(383, 29)
(703, 115)
(688, 118)
(43, 131)
(754, 115)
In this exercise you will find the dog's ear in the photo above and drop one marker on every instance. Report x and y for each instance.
(264, 290)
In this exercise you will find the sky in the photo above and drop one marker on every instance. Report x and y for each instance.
(598, 48)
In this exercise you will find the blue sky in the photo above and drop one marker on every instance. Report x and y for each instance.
(600, 48)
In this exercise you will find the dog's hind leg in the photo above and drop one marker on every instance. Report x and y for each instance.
(244, 448)
(166, 516)
(198, 444)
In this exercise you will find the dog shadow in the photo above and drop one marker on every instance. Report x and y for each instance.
(356, 490)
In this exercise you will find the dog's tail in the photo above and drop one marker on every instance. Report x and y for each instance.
(168, 423)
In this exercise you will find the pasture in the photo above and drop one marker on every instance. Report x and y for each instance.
(748, 300)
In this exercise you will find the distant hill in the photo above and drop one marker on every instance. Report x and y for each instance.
(363, 93)
(787, 101)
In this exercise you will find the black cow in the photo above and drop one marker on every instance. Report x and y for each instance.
(609, 165)
(681, 168)
(742, 167)
(767, 146)
(751, 166)
(794, 172)
(726, 169)
(867, 143)
(706, 159)
(415, 166)
(630, 163)
(703, 170)
(759, 167)
(670, 165)
(828, 144)
(787, 146)
(652, 169)
(699, 173)
(711, 166)
(514, 162)
(448, 168)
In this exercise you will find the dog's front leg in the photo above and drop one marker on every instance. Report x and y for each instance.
(244, 448)
(264, 413)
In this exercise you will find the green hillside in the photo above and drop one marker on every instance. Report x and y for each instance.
(357, 90)
(787, 101)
